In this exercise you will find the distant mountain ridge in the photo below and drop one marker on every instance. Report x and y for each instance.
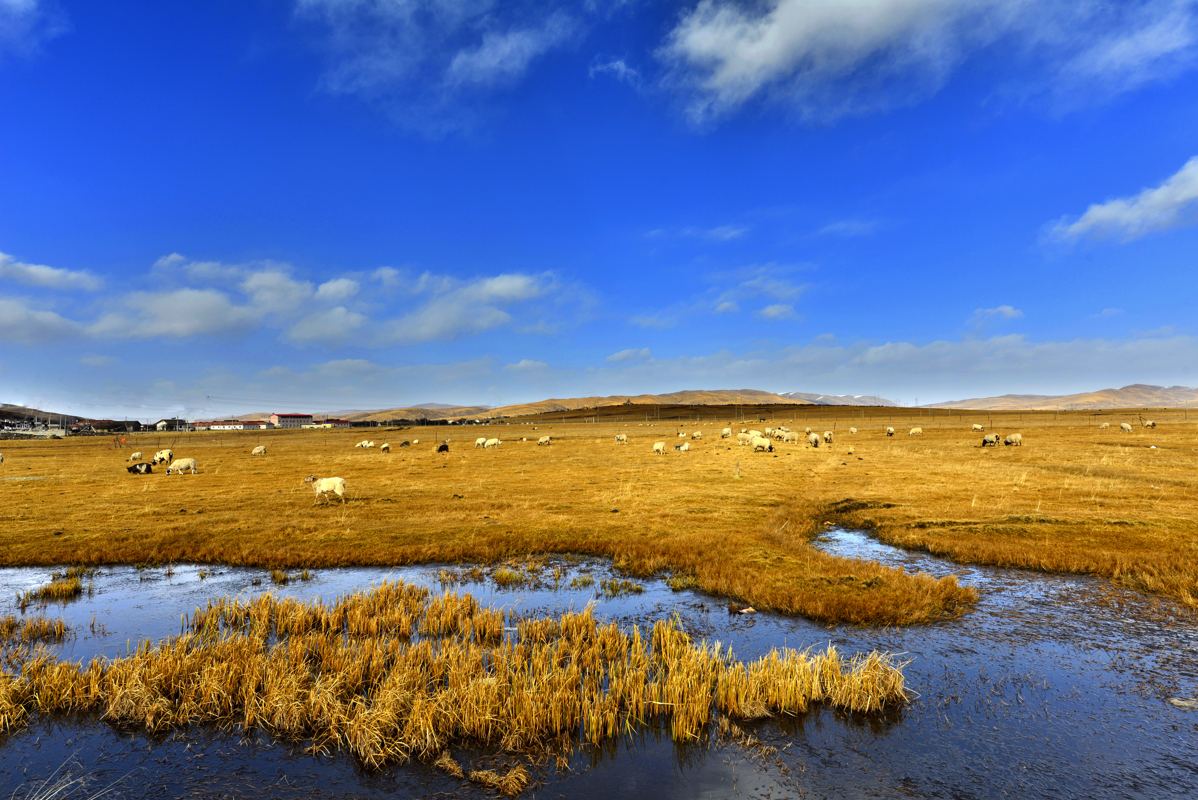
(840, 399)
(1136, 395)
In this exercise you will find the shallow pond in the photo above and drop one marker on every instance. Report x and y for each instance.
(1054, 686)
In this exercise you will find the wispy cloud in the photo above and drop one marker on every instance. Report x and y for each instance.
(825, 60)
(43, 277)
(21, 323)
(527, 365)
(503, 57)
(777, 311)
(457, 308)
(180, 313)
(630, 354)
(26, 24)
(849, 228)
(618, 69)
(1172, 204)
(716, 233)
(997, 312)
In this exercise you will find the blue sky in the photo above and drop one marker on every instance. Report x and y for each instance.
(321, 204)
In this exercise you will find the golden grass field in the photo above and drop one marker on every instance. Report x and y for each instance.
(1075, 498)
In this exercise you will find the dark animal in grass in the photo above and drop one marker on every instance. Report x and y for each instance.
(443, 447)
(990, 440)
(141, 468)
(405, 443)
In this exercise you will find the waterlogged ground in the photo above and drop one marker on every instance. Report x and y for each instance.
(1053, 687)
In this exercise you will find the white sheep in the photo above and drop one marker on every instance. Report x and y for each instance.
(621, 438)
(916, 431)
(1, 458)
(260, 450)
(544, 440)
(415, 441)
(889, 431)
(813, 439)
(326, 486)
(1104, 426)
(978, 428)
(385, 447)
(181, 466)
(769, 431)
(480, 441)
(135, 455)
(492, 443)
(681, 434)
(807, 430)
(725, 433)
(853, 431)
(697, 435)
(1149, 423)
(1125, 427)
(743, 438)
(756, 434)
(659, 448)
(791, 437)
(1013, 439)
(762, 445)
(163, 456)
(828, 437)
(683, 448)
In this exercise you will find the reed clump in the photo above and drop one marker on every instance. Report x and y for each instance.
(17, 630)
(615, 587)
(63, 587)
(394, 674)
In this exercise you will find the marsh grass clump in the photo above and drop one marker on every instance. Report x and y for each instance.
(583, 581)
(280, 577)
(63, 587)
(680, 582)
(15, 630)
(616, 587)
(449, 576)
(393, 675)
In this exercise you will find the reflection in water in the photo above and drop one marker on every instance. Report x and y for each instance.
(1053, 686)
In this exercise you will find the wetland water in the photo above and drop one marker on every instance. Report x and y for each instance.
(1053, 687)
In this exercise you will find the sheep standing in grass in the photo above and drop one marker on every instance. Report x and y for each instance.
(725, 433)
(683, 448)
(853, 430)
(990, 440)
(791, 437)
(1013, 440)
(386, 447)
(163, 457)
(544, 440)
(1104, 426)
(1149, 423)
(480, 441)
(182, 465)
(1125, 427)
(762, 445)
(916, 431)
(260, 450)
(621, 438)
(978, 428)
(492, 443)
(415, 441)
(697, 435)
(443, 447)
(889, 431)
(326, 486)
(743, 438)
(1, 458)
(813, 439)
(807, 430)
(828, 437)
(134, 456)
(659, 448)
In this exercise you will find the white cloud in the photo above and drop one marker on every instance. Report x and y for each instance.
(180, 313)
(828, 58)
(275, 291)
(717, 233)
(527, 365)
(502, 57)
(26, 24)
(387, 276)
(331, 326)
(460, 308)
(337, 290)
(20, 323)
(778, 311)
(848, 228)
(618, 69)
(44, 277)
(726, 307)
(1172, 204)
(630, 354)
(998, 312)
(1109, 313)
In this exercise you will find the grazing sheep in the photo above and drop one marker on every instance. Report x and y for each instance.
(978, 428)
(415, 441)
(659, 448)
(544, 440)
(362, 443)
(682, 448)
(725, 433)
(828, 437)
(1013, 440)
(850, 452)
(142, 468)
(385, 447)
(807, 430)
(443, 447)
(681, 434)
(1104, 426)
(853, 430)
(260, 450)
(134, 456)
(762, 445)
(181, 466)
(697, 435)
(769, 431)
(492, 443)
(1, 458)
(163, 457)
(917, 431)
(1125, 427)
(405, 443)
(813, 439)
(743, 438)
(889, 431)
(326, 486)
(480, 441)
(790, 437)
(1149, 423)
(990, 440)
(757, 434)
(621, 438)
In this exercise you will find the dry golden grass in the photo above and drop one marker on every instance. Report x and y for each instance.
(392, 675)
(27, 630)
(1074, 498)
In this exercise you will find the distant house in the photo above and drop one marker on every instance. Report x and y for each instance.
(172, 424)
(290, 420)
(337, 423)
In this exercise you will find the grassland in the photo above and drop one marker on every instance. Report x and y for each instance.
(1075, 498)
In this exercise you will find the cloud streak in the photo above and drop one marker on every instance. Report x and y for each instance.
(44, 277)
(1172, 204)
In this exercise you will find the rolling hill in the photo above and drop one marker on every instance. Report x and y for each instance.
(1136, 395)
